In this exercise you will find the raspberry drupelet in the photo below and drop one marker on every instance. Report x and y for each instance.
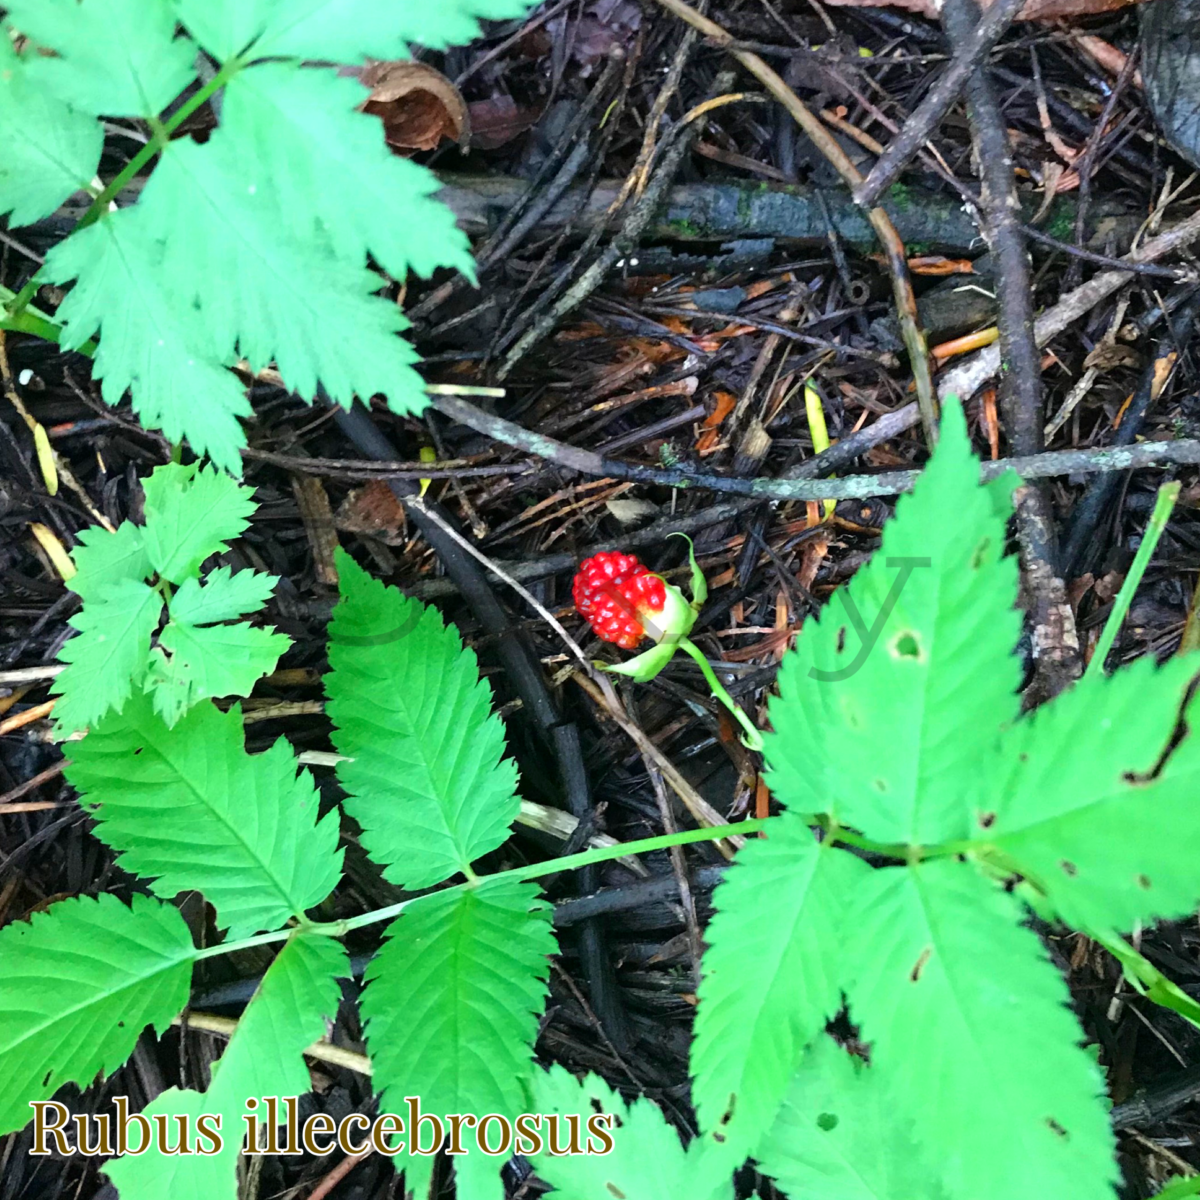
(619, 598)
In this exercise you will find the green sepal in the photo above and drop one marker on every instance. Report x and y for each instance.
(646, 665)
(699, 583)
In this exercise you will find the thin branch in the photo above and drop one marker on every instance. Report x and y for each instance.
(852, 487)
(1055, 641)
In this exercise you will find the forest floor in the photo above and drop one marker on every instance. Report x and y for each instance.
(656, 286)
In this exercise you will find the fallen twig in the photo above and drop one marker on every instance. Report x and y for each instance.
(803, 486)
(624, 242)
(969, 53)
(889, 239)
(967, 378)
(1055, 642)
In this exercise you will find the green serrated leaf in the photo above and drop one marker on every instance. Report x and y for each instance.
(80, 983)
(1179, 1187)
(286, 1015)
(969, 1029)
(195, 663)
(771, 977)
(194, 1176)
(892, 696)
(647, 1160)
(50, 150)
(119, 58)
(1071, 800)
(838, 1135)
(304, 127)
(451, 1000)
(104, 558)
(150, 345)
(191, 513)
(109, 655)
(338, 30)
(189, 809)
(223, 596)
(426, 777)
(279, 298)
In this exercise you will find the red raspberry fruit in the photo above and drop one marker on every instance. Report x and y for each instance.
(617, 596)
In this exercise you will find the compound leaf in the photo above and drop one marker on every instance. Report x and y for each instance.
(769, 984)
(839, 1137)
(647, 1160)
(116, 57)
(451, 1000)
(150, 344)
(103, 558)
(303, 127)
(191, 513)
(970, 1030)
(337, 30)
(109, 655)
(80, 983)
(188, 808)
(196, 663)
(264, 1058)
(890, 697)
(425, 776)
(1091, 829)
(50, 150)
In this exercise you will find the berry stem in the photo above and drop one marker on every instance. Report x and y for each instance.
(753, 739)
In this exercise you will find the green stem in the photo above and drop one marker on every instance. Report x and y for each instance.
(1167, 495)
(753, 739)
(259, 939)
(161, 134)
(569, 862)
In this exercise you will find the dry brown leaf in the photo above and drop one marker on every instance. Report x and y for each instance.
(373, 510)
(1034, 10)
(418, 105)
(498, 120)
(937, 264)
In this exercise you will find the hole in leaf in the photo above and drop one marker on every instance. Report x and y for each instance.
(841, 639)
(138, 749)
(915, 974)
(987, 820)
(727, 1116)
(1143, 881)
(613, 1190)
(1056, 1127)
(597, 1107)
(46, 1080)
(1069, 868)
(905, 645)
(827, 1121)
